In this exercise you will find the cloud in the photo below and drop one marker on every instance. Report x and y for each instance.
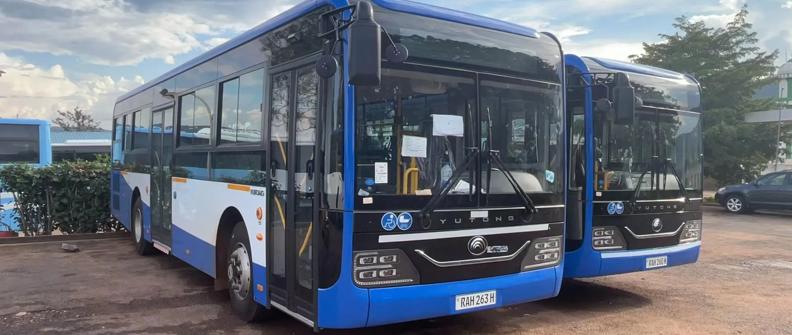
(713, 20)
(213, 42)
(32, 92)
(605, 49)
(122, 32)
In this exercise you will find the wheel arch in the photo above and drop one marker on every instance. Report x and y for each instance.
(135, 196)
(230, 217)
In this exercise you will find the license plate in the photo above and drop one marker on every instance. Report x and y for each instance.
(656, 262)
(473, 300)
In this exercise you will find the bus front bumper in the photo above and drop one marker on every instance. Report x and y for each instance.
(400, 304)
(615, 262)
(348, 306)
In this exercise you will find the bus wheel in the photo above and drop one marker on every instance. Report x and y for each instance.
(240, 276)
(143, 247)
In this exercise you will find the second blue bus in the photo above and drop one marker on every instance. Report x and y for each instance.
(635, 168)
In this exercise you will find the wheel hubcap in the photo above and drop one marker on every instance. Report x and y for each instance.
(138, 222)
(239, 272)
(734, 204)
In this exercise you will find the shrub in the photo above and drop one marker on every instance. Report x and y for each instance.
(70, 196)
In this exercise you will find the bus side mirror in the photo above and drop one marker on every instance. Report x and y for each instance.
(365, 47)
(623, 99)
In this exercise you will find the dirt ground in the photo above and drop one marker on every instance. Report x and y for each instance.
(742, 284)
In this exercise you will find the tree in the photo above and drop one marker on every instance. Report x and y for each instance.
(76, 120)
(730, 67)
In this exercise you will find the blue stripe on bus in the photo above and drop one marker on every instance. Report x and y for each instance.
(615, 262)
(582, 260)
(260, 278)
(400, 304)
(446, 14)
(123, 213)
(193, 251)
(336, 302)
(146, 221)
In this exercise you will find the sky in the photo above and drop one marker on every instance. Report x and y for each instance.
(58, 54)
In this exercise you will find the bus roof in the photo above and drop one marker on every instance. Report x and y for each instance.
(616, 65)
(24, 121)
(308, 5)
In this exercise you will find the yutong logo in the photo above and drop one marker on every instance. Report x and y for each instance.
(496, 219)
(478, 245)
(657, 225)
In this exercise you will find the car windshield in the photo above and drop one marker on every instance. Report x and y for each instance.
(626, 153)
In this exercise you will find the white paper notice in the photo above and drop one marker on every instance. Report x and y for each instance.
(413, 146)
(380, 172)
(448, 125)
(518, 130)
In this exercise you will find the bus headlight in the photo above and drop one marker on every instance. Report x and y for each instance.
(691, 232)
(545, 251)
(383, 268)
(607, 238)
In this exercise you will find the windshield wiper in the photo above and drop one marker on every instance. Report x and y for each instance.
(494, 156)
(652, 168)
(455, 177)
(669, 163)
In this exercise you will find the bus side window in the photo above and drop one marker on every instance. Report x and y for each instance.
(118, 140)
(127, 132)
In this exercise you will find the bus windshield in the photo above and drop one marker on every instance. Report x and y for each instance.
(416, 130)
(465, 94)
(625, 153)
(19, 144)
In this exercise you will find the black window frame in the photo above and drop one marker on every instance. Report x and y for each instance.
(178, 119)
(218, 144)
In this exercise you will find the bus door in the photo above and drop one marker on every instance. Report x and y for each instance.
(294, 107)
(161, 154)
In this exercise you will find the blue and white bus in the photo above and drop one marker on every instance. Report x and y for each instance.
(22, 141)
(635, 180)
(355, 164)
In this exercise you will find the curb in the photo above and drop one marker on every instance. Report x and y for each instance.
(61, 238)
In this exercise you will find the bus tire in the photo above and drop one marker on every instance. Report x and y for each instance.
(239, 265)
(142, 246)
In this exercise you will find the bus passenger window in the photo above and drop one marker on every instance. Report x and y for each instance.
(196, 115)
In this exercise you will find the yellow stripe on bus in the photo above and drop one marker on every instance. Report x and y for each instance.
(179, 180)
(237, 187)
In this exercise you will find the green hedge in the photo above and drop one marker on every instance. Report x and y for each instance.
(70, 196)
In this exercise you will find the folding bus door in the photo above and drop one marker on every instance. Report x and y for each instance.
(294, 108)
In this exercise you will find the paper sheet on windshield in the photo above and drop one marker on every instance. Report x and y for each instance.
(380, 172)
(413, 146)
(448, 125)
